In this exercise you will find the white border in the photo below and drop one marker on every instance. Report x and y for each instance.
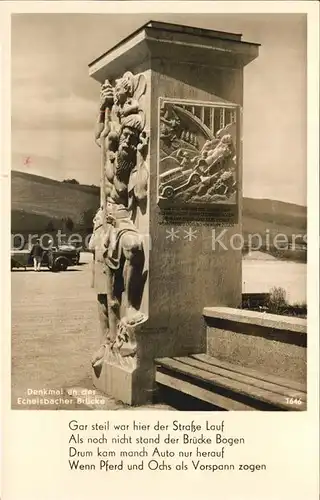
(33, 441)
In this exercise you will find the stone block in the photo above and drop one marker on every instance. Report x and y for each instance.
(266, 342)
(183, 87)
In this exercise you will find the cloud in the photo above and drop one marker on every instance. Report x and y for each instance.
(41, 107)
(56, 153)
(49, 91)
(54, 101)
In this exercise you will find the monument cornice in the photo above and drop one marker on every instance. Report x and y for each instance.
(152, 41)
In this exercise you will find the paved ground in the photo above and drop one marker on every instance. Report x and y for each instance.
(54, 333)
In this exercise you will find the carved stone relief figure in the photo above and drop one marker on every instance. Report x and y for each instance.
(124, 148)
(96, 245)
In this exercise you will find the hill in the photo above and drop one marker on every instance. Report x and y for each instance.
(286, 217)
(38, 201)
(270, 218)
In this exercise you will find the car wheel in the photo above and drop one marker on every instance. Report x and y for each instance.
(60, 264)
(168, 192)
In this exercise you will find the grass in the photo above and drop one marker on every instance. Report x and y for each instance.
(36, 196)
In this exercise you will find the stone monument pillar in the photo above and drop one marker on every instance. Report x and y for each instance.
(165, 238)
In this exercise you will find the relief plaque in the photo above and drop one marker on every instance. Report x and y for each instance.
(198, 158)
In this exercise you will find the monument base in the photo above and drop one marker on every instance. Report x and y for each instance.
(123, 379)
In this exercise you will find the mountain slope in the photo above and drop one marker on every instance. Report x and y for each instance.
(38, 200)
(260, 214)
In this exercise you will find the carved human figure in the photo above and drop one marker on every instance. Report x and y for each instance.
(225, 184)
(96, 245)
(222, 151)
(209, 145)
(169, 122)
(200, 164)
(124, 90)
(121, 125)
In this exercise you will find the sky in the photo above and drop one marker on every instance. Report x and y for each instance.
(55, 102)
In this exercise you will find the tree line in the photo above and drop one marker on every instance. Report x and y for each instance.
(84, 224)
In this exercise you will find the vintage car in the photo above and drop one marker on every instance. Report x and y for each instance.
(56, 258)
(177, 179)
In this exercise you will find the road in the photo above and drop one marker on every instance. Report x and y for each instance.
(54, 334)
(54, 330)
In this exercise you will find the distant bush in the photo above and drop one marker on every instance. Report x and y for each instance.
(293, 255)
(50, 227)
(277, 302)
(69, 224)
(274, 302)
(85, 222)
(71, 181)
(300, 305)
